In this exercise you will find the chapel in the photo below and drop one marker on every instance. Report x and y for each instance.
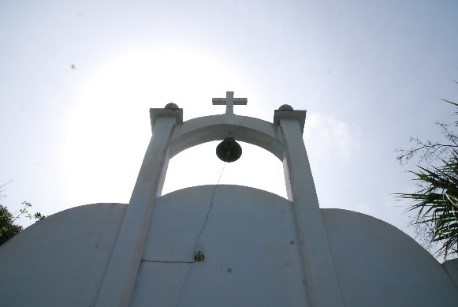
(221, 245)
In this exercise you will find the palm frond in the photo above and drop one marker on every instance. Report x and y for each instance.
(436, 202)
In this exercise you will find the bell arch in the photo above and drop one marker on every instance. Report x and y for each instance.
(212, 128)
(171, 135)
(200, 131)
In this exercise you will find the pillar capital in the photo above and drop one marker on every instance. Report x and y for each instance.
(166, 112)
(283, 113)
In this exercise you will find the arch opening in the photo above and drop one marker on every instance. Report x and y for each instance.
(199, 165)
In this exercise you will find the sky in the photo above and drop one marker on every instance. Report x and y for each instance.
(77, 79)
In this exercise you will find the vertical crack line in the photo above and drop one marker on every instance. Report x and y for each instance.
(209, 209)
(188, 273)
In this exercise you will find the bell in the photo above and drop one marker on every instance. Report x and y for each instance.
(229, 150)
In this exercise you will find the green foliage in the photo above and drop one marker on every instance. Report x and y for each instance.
(7, 227)
(436, 203)
(25, 212)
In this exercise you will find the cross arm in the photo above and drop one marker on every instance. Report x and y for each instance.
(236, 101)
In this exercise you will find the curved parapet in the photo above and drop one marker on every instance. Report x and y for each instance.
(216, 127)
(250, 256)
(61, 260)
(379, 265)
(250, 245)
(247, 240)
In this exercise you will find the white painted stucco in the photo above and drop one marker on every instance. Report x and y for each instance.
(60, 261)
(250, 247)
(260, 249)
(379, 265)
(251, 256)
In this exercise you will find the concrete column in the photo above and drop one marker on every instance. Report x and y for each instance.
(119, 281)
(321, 281)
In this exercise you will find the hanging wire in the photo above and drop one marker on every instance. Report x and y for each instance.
(188, 273)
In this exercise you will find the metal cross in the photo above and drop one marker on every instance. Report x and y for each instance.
(229, 101)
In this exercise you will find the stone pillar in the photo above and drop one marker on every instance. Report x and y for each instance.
(119, 281)
(321, 282)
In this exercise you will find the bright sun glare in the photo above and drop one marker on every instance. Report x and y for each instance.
(109, 130)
